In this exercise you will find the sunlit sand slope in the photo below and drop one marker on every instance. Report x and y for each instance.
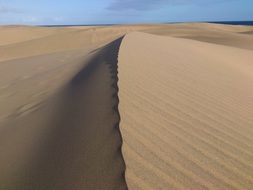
(186, 114)
(16, 34)
(237, 36)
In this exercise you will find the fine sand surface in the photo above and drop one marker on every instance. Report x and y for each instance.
(185, 103)
(186, 113)
(73, 141)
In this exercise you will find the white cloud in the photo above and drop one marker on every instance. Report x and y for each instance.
(140, 5)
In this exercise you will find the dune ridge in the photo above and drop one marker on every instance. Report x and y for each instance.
(183, 92)
(41, 40)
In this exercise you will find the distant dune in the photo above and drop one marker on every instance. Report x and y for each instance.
(166, 106)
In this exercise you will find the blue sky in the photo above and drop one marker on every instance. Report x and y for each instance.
(122, 11)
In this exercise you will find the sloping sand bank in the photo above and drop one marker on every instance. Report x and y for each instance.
(186, 113)
(73, 141)
(186, 107)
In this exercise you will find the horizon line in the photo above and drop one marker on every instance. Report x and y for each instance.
(140, 23)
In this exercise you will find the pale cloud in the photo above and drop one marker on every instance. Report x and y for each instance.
(142, 5)
(6, 9)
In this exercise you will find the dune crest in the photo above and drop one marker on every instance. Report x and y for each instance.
(185, 103)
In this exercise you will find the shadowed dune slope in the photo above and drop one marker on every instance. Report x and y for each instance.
(186, 114)
(73, 140)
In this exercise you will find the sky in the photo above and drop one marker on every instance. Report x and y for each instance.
(75, 12)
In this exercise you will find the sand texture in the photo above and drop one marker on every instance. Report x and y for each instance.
(186, 113)
(166, 106)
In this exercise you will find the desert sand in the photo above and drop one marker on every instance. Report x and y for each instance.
(126, 107)
(186, 113)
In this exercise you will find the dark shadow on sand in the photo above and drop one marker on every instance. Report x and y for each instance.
(81, 148)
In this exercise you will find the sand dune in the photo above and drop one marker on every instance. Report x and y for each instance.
(185, 98)
(186, 113)
(34, 41)
(211, 33)
(60, 146)
(8, 34)
(64, 39)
